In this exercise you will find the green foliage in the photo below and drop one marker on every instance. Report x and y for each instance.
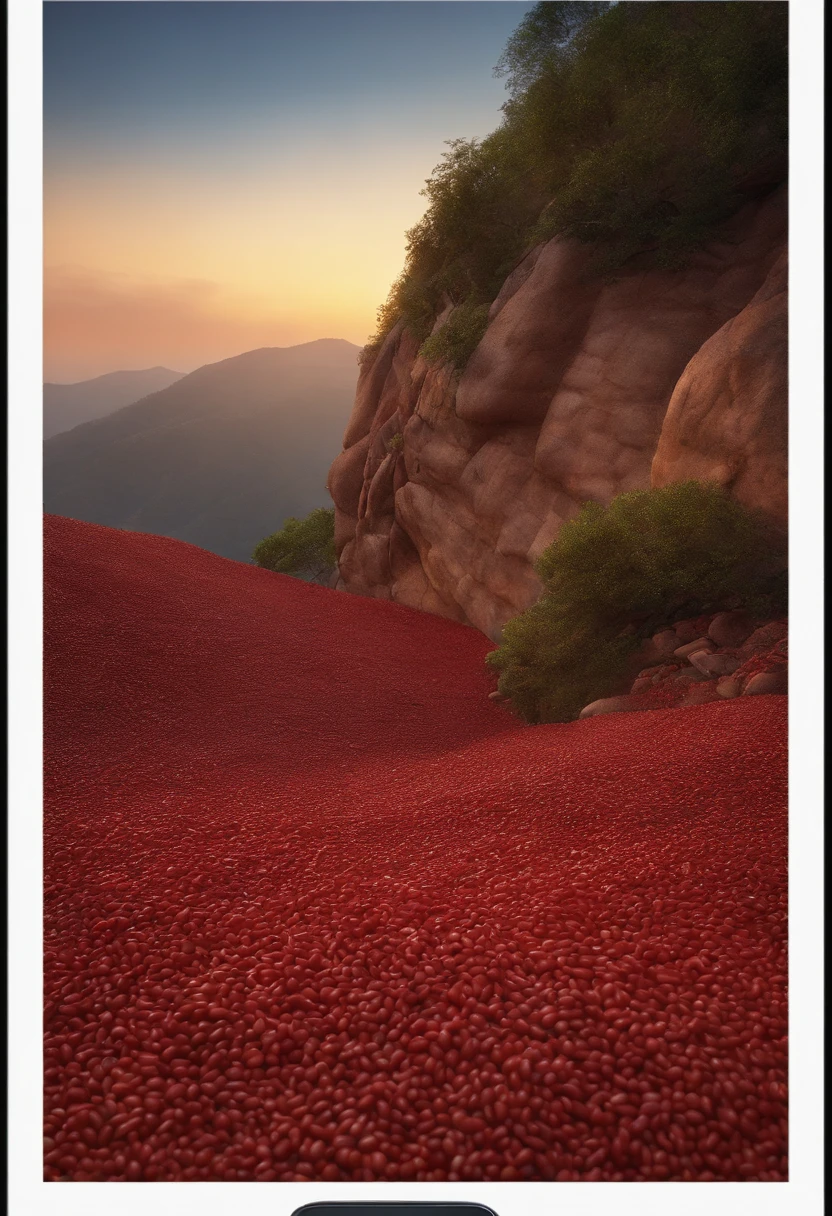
(651, 557)
(628, 126)
(303, 547)
(537, 46)
(473, 230)
(409, 299)
(396, 442)
(693, 97)
(459, 336)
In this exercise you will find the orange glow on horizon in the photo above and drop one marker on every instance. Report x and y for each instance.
(178, 271)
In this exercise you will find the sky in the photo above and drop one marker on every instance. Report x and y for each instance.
(220, 176)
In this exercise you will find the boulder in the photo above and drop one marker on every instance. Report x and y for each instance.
(767, 682)
(731, 628)
(728, 688)
(607, 705)
(764, 639)
(685, 632)
(660, 646)
(701, 645)
(714, 664)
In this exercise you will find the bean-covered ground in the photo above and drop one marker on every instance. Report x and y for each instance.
(317, 908)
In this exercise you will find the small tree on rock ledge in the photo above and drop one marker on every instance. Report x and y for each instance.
(304, 548)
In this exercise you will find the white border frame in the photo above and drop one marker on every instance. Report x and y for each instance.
(28, 1194)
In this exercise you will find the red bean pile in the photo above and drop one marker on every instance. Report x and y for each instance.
(317, 909)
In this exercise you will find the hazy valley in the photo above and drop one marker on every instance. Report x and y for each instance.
(69, 405)
(220, 458)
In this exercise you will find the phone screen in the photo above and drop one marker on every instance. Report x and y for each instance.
(415, 707)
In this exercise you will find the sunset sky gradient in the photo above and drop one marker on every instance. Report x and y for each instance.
(223, 176)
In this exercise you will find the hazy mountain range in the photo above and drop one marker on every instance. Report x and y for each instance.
(219, 458)
(68, 405)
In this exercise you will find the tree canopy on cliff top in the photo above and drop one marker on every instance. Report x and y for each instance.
(631, 126)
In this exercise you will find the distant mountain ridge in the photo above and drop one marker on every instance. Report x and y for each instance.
(69, 405)
(219, 458)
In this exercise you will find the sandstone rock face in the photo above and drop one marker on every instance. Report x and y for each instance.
(577, 390)
(727, 418)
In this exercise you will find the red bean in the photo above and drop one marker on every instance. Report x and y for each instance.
(466, 950)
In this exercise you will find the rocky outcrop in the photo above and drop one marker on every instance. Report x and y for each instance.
(580, 389)
(733, 656)
(727, 418)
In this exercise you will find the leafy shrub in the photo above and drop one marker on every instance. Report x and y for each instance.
(459, 336)
(396, 442)
(369, 351)
(409, 298)
(303, 547)
(472, 232)
(651, 557)
(628, 126)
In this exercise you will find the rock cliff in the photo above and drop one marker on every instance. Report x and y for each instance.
(450, 487)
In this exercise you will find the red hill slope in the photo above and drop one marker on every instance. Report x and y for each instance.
(317, 908)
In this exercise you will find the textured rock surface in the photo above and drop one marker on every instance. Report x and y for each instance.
(689, 648)
(575, 385)
(714, 664)
(765, 682)
(727, 418)
(697, 675)
(731, 628)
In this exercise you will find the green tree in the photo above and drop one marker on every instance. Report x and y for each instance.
(459, 336)
(303, 547)
(631, 127)
(538, 44)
